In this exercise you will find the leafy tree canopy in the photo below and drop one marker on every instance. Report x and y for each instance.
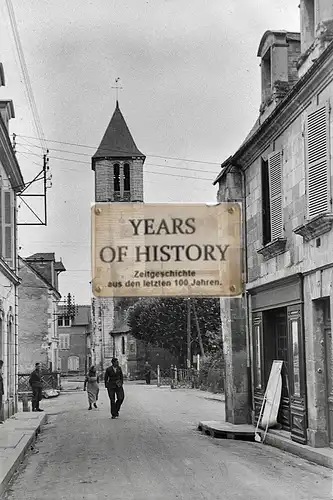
(163, 322)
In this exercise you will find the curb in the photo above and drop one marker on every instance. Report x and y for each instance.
(324, 457)
(14, 458)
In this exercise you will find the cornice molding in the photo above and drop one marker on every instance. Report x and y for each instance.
(9, 273)
(9, 161)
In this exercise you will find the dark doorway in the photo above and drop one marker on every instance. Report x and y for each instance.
(275, 340)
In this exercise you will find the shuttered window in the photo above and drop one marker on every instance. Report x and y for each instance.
(275, 194)
(317, 161)
(8, 227)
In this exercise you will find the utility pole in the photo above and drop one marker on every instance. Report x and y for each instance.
(188, 333)
(198, 330)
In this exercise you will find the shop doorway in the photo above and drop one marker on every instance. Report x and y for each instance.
(276, 347)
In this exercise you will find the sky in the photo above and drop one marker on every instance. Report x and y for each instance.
(190, 81)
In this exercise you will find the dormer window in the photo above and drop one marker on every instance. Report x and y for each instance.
(116, 177)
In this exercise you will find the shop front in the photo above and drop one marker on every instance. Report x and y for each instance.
(277, 333)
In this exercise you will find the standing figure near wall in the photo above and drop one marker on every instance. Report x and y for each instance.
(36, 384)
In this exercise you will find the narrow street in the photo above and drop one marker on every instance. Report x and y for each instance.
(154, 452)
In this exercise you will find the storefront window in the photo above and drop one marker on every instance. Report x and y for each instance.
(296, 367)
(258, 356)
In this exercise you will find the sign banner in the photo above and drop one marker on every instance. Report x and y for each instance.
(142, 249)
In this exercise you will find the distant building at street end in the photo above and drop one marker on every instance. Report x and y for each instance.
(283, 175)
(38, 298)
(75, 355)
(11, 184)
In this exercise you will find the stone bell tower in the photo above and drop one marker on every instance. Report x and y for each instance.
(118, 167)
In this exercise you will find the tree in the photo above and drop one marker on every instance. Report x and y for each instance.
(162, 322)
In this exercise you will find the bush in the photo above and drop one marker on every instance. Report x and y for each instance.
(211, 376)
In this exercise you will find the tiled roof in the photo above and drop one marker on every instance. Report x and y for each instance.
(117, 141)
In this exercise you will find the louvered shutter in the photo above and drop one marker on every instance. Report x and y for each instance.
(275, 194)
(317, 161)
(8, 225)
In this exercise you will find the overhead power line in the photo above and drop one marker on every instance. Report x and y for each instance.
(148, 171)
(25, 74)
(123, 151)
(150, 164)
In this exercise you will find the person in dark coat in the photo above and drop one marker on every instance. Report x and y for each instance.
(147, 373)
(1, 391)
(114, 381)
(36, 384)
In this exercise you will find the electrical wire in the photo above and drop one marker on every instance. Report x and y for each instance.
(25, 74)
(150, 164)
(148, 171)
(123, 151)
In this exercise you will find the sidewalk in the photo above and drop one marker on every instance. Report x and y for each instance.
(278, 439)
(17, 435)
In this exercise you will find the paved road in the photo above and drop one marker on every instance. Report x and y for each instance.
(153, 452)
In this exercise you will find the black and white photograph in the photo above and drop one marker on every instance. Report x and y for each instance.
(166, 249)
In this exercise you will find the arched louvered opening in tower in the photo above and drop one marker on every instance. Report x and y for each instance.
(127, 183)
(116, 178)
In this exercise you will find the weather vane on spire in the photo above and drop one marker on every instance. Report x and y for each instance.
(117, 88)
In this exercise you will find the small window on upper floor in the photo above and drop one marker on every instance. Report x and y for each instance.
(7, 226)
(123, 345)
(116, 177)
(318, 161)
(64, 321)
(271, 196)
(127, 183)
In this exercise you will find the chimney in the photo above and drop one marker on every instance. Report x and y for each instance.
(316, 31)
(279, 52)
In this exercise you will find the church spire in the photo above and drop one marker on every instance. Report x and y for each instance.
(117, 141)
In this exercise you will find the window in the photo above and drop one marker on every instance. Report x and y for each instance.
(266, 213)
(127, 183)
(275, 194)
(64, 321)
(317, 163)
(73, 363)
(116, 178)
(7, 226)
(64, 341)
(123, 345)
(296, 359)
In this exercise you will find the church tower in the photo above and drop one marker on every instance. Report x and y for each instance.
(118, 164)
(118, 167)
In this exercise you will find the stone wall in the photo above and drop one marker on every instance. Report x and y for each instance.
(32, 320)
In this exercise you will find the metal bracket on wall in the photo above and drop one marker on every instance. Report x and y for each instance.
(43, 176)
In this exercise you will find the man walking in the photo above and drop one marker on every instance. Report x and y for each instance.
(114, 381)
(36, 384)
(1, 391)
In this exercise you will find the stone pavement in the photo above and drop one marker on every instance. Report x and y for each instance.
(154, 452)
(17, 435)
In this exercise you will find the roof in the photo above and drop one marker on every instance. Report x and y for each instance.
(82, 317)
(117, 141)
(260, 126)
(289, 35)
(40, 275)
(42, 256)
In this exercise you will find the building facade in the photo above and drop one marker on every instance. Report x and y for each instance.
(38, 299)
(11, 184)
(75, 355)
(118, 167)
(283, 175)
